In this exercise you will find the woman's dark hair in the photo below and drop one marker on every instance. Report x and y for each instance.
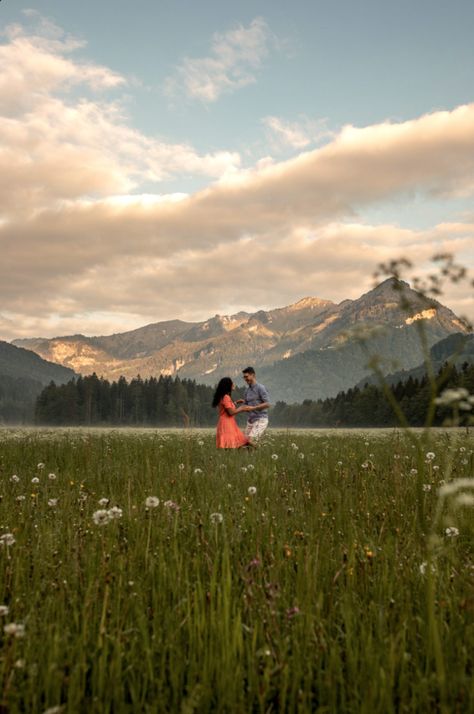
(224, 387)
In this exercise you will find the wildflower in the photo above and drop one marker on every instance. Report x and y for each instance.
(250, 467)
(365, 465)
(243, 469)
(465, 499)
(252, 490)
(115, 512)
(426, 487)
(455, 486)
(35, 479)
(462, 449)
(40, 466)
(171, 505)
(201, 443)
(452, 532)
(339, 463)
(198, 471)
(53, 502)
(413, 472)
(58, 709)
(52, 477)
(301, 455)
(435, 467)
(14, 478)
(19, 664)
(7, 539)
(16, 629)
(424, 566)
(216, 518)
(275, 457)
(430, 456)
(152, 502)
(103, 502)
(292, 611)
(181, 467)
(20, 498)
(101, 518)
(452, 396)
(295, 447)
(4, 610)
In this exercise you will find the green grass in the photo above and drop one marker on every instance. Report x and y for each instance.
(307, 597)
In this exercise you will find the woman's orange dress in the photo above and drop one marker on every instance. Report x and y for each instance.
(228, 436)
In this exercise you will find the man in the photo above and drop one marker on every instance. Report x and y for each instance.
(255, 396)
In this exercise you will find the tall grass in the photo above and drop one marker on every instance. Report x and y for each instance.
(310, 595)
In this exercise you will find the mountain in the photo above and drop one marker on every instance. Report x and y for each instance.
(312, 346)
(457, 349)
(23, 374)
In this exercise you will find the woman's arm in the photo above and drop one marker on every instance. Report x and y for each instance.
(259, 407)
(233, 411)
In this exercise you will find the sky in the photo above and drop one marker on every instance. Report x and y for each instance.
(169, 159)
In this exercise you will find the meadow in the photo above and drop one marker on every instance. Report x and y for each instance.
(143, 571)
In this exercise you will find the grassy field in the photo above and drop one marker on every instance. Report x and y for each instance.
(325, 572)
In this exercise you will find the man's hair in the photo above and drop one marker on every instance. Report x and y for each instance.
(248, 370)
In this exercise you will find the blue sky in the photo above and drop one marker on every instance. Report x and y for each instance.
(187, 104)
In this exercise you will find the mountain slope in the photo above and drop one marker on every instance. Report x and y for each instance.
(270, 340)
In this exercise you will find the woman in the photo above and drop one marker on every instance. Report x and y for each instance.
(228, 436)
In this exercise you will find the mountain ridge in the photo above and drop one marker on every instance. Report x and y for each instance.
(223, 344)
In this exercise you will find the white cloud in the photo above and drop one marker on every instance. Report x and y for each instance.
(294, 134)
(234, 59)
(80, 251)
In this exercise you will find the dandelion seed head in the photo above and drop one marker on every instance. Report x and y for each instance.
(35, 479)
(452, 532)
(152, 502)
(216, 518)
(14, 629)
(7, 539)
(53, 502)
(252, 490)
(4, 610)
(115, 512)
(101, 517)
(275, 457)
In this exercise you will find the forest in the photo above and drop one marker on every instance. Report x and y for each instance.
(172, 402)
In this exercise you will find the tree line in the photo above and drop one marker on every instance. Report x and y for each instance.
(368, 406)
(167, 401)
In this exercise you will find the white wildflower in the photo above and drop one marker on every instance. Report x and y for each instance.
(452, 532)
(21, 498)
(14, 478)
(301, 455)
(181, 467)
(4, 610)
(115, 512)
(252, 490)
(250, 467)
(275, 457)
(430, 456)
(103, 502)
(152, 502)
(101, 518)
(424, 566)
(198, 471)
(53, 502)
(426, 487)
(40, 466)
(216, 518)
(365, 465)
(15, 629)
(413, 472)
(458, 484)
(200, 442)
(52, 477)
(464, 499)
(7, 539)
(35, 479)
(295, 447)
(243, 469)
(452, 396)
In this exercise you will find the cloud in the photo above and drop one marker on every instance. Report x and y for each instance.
(56, 145)
(296, 135)
(234, 59)
(87, 246)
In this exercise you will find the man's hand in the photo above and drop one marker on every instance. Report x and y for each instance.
(240, 401)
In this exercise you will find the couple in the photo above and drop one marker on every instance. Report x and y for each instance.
(255, 402)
